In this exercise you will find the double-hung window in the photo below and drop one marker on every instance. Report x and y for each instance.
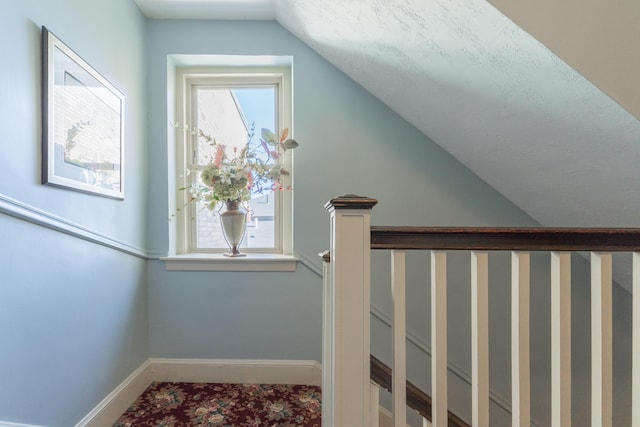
(232, 106)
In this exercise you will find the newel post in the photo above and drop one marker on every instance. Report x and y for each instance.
(346, 342)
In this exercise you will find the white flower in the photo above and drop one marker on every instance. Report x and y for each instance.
(253, 170)
(226, 173)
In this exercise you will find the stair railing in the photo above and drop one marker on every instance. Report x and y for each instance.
(349, 400)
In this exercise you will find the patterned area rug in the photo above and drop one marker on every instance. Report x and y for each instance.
(224, 405)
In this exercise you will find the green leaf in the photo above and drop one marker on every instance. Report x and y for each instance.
(269, 137)
(289, 144)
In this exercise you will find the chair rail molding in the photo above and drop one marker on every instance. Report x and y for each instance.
(25, 212)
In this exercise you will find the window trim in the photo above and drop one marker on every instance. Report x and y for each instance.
(186, 79)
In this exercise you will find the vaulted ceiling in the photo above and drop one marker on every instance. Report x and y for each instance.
(482, 88)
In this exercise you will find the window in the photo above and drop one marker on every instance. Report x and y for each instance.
(232, 105)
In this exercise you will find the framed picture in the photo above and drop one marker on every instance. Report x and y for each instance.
(83, 124)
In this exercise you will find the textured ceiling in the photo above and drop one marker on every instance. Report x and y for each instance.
(481, 88)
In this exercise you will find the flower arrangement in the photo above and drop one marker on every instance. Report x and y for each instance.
(233, 177)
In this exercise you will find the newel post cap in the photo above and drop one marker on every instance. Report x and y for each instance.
(350, 201)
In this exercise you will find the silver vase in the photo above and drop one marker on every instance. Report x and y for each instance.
(234, 225)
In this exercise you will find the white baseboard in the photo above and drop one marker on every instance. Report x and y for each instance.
(307, 372)
(107, 412)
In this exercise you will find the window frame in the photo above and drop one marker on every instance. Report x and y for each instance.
(188, 78)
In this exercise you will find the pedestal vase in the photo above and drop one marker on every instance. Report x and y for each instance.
(234, 225)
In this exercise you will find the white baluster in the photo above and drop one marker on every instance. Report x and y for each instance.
(601, 340)
(480, 339)
(560, 339)
(439, 338)
(399, 379)
(375, 405)
(520, 375)
(327, 330)
(635, 355)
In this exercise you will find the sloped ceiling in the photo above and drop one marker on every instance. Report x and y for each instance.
(480, 87)
(599, 39)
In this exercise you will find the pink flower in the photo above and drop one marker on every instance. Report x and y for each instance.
(219, 155)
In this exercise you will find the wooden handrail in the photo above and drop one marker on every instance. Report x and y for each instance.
(416, 398)
(526, 239)
(487, 239)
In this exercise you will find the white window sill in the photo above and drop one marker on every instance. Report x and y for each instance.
(219, 262)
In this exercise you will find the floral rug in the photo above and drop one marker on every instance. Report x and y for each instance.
(224, 405)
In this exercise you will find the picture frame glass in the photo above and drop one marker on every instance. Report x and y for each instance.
(83, 143)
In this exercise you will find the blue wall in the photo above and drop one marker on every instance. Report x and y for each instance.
(73, 313)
